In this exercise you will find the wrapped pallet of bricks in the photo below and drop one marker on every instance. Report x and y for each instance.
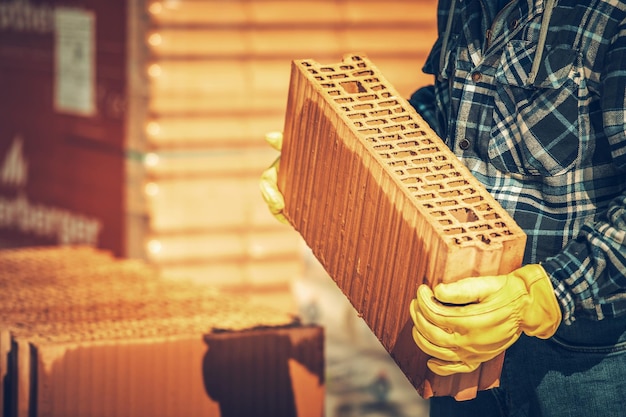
(114, 338)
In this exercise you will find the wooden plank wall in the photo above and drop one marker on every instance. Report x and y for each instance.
(218, 75)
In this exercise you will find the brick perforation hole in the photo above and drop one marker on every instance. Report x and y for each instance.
(419, 163)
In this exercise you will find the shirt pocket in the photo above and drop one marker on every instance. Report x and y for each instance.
(535, 128)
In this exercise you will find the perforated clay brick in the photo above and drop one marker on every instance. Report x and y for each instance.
(385, 206)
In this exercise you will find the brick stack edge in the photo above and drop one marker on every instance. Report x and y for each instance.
(385, 206)
(85, 334)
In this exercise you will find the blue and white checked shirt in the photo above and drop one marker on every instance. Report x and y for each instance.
(543, 128)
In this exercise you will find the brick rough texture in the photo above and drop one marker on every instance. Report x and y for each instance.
(386, 206)
(85, 334)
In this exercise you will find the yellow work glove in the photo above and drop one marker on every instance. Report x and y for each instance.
(465, 323)
(269, 180)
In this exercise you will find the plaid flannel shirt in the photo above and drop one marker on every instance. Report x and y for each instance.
(549, 144)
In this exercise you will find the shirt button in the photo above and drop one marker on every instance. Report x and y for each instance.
(464, 144)
(513, 24)
(476, 76)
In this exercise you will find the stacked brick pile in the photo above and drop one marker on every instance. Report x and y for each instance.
(218, 78)
(85, 334)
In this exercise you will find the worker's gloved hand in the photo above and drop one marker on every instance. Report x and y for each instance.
(269, 180)
(465, 323)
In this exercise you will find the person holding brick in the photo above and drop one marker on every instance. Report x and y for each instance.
(531, 96)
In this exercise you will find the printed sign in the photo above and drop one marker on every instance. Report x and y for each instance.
(74, 62)
(18, 213)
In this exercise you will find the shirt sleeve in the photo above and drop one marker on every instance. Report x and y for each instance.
(589, 275)
(423, 101)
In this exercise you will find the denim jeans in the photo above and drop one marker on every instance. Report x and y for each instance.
(581, 371)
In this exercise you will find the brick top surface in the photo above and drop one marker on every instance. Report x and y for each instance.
(438, 183)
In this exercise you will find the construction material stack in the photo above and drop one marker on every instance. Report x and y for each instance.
(83, 333)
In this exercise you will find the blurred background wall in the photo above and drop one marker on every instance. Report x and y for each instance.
(137, 126)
